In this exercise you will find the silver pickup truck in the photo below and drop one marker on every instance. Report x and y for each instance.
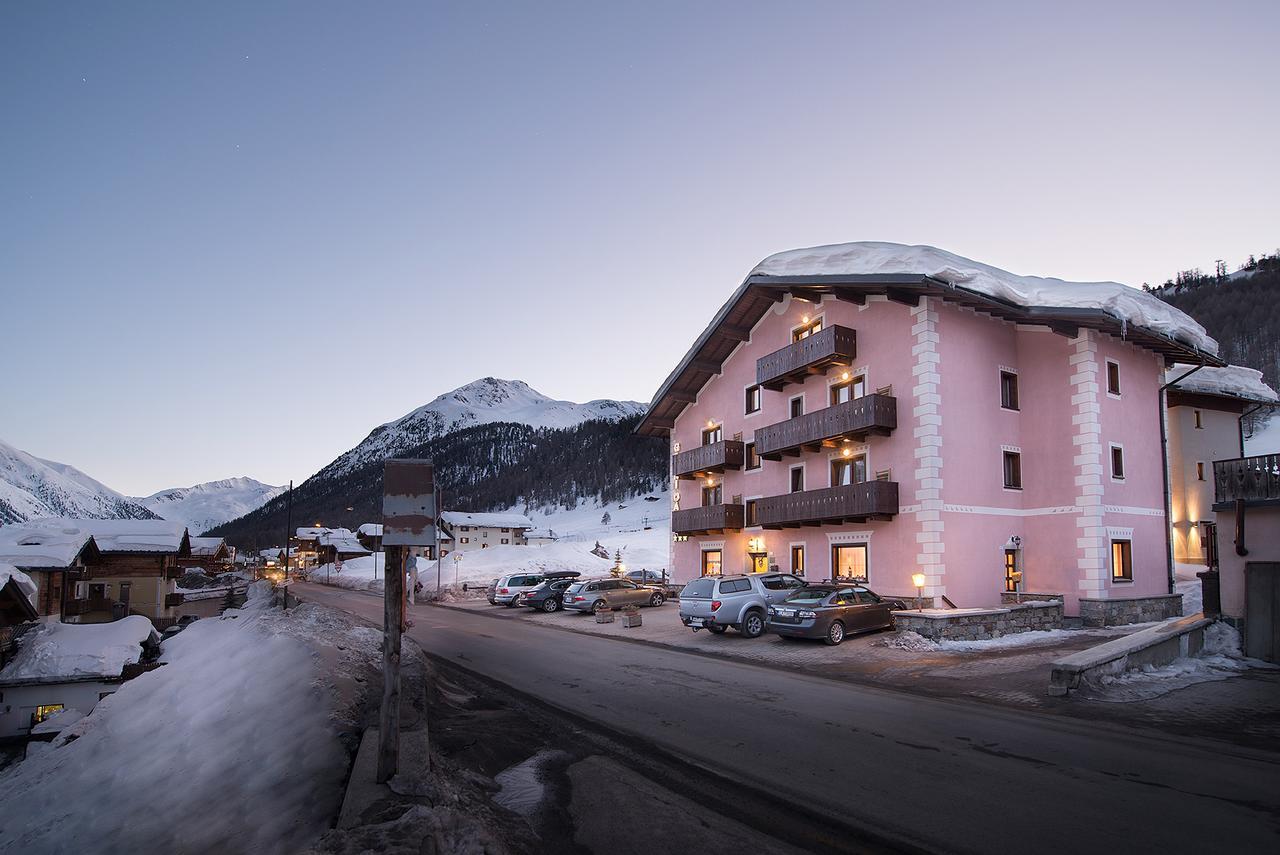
(742, 602)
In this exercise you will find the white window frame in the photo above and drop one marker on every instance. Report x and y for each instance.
(805, 551)
(1022, 474)
(858, 450)
(1111, 462)
(804, 409)
(1106, 378)
(804, 478)
(1017, 381)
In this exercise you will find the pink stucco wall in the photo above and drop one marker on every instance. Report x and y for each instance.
(956, 517)
(1262, 539)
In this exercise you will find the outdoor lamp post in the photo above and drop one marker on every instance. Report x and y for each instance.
(917, 579)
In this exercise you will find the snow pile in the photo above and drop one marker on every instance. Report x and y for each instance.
(1265, 440)
(1126, 304)
(907, 640)
(1192, 596)
(507, 520)
(1233, 380)
(522, 787)
(9, 573)
(55, 650)
(1017, 639)
(234, 746)
(365, 573)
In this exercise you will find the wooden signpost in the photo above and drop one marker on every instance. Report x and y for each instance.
(408, 519)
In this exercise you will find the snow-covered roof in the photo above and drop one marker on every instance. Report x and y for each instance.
(35, 546)
(453, 518)
(370, 530)
(343, 540)
(1234, 381)
(122, 535)
(544, 533)
(1131, 305)
(9, 573)
(55, 651)
(206, 546)
(273, 553)
(310, 532)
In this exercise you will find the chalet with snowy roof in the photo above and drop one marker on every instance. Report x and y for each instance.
(480, 531)
(210, 554)
(370, 536)
(56, 560)
(872, 411)
(318, 545)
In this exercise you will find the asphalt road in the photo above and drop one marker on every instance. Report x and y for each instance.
(938, 774)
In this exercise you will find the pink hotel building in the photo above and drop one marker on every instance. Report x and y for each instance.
(874, 411)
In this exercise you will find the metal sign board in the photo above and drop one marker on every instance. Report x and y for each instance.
(408, 503)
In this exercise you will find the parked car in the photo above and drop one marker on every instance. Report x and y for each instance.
(511, 586)
(742, 602)
(646, 577)
(492, 593)
(598, 595)
(547, 597)
(831, 612)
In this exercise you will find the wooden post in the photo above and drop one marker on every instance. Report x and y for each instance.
(393, 617)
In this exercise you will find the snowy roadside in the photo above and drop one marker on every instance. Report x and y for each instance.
(255, 712)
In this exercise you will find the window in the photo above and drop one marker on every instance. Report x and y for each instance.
(1121, 561)
(505, 530)
(735, 586)
(750, 512)
(797, 406)
(43, 711)
(797, 560)
(847, 390)
(1012, 470)
(466, 540)
(1008, 390)
(1117, 463)
(807, 329)
(1199, 425)
(849, 561)
(1113, 378)
(712, 435)
(848, 470)
(1199, 470)
(797, 479)
(484, 546)
(753, 459)
(711, 562)
(752, 404)
(1010, 569)
(505, 540)
(712, 495)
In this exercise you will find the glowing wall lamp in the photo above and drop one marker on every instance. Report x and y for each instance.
(917, 579)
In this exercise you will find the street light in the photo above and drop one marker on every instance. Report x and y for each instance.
(917, 579)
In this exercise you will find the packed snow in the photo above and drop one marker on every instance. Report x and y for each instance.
(1126, 304)
(1265, 440)
(31, 487)
(1233, 380)
(54, 650)
(457, 518)
(235, 746)
(27, 545)
(9, 573)
(118, 535)
(209, 505)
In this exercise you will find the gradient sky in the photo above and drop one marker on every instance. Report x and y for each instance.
(235, 238)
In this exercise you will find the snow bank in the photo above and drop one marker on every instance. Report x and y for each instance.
(1234, 380)
(1265, 440)
(1192, 595)
(55, 650)
(1127, 304)
(9, 573)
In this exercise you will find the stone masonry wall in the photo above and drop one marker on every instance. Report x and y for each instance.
(1119, 612)
(980, 625)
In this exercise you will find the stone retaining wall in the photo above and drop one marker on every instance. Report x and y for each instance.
(1012, 598)
(979, 624)
(1126, 610)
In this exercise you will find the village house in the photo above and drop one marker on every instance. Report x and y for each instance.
(875, 411)
(370, 536)
(480, 531)
(210, 554)
(56, 559)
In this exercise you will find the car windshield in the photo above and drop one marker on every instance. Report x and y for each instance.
(699, 587)
(575, 587)
(811, 594)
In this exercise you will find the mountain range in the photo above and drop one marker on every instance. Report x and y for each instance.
(210, 504)
(31, 487)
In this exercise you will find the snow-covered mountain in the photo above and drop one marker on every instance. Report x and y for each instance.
(481, 402)
(211, 504)
(31, 487)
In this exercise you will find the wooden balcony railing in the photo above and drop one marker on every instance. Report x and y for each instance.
(835, 345)
(707, 519)
(851, 503)
(870, 414)
(1253, 479)
(717, 457)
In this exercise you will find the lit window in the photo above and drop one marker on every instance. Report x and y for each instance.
(752, 400)
(1013, 470)
(1121, 561)
(1008, 390)
(803, 332)
(797, 560)
(849, 561)
(43, 712)
(848, 390)
(848, 470)
(712, 435)
(1117, 462)
(711, 560)
(1199, 470)
(1113, 377)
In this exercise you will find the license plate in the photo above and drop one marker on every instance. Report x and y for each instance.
(695, 621)
(785, 612)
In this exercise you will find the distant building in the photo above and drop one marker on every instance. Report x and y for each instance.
(370, 536)
(317, 545)
(540, 536)
(56, 559)
(480, 531)
(210, 554)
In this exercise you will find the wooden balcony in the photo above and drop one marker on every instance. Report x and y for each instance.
(1253, 480)
(830, 505)
(856, 419)
(709, 519)
(700, 461)
(835, 345)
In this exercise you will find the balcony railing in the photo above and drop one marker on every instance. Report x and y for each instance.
(850, 503)
(1253, 479)
(707, 519)
(870, 414)
(835, 345)
(716, 457)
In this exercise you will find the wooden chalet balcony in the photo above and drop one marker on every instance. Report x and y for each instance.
(1250, 479)
(707, 519)
(835, 345)
(830, 505)
(716, 457)
(870, 414)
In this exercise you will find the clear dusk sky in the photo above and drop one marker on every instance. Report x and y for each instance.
(234, 237)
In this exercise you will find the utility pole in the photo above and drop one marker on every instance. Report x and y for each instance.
(393, 626)
(288, 535)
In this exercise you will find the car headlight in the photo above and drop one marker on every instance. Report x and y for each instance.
(806, 613)
(772, 612)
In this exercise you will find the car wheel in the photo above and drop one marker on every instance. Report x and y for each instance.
(657, 599)
(599, 606)
(716, 630)
(511, 603)
(752, 624)
(835, 634)
(550, 604)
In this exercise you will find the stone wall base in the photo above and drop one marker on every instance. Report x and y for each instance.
(1127, 610)
(980, 624)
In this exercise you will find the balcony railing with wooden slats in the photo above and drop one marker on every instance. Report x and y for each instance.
(830, 505)
(835, 345)
(870, 414)
(1250, 479)
(716, 457)
(707, 519)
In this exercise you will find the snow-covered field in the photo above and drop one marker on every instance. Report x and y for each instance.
(234, 746)
(1265, 440)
